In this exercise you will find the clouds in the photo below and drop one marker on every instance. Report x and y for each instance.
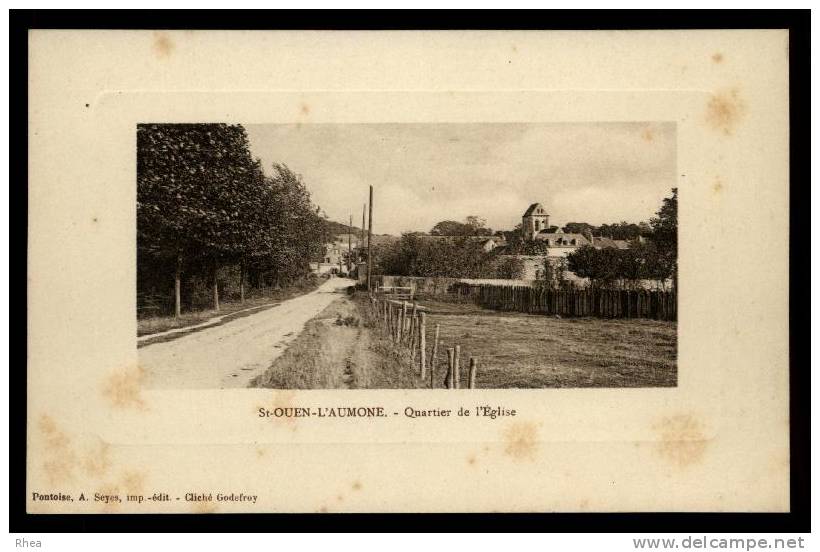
(424, 173)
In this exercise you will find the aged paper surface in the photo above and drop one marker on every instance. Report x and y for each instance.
(715, 441)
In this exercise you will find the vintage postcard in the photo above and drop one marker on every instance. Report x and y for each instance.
(408, 271)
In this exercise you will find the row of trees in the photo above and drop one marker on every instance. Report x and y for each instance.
(642, 261)
(476, 226)
(418, 255)
(205, 205)
(472, 226)
(654, 258)
(617, 231)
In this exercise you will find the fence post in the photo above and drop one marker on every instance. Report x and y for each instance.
(411, 341)
(391, 319)
(411, 337)
(434, 358)
(422, 346)
(396, 327)
(456, 374)
(403, 321)
(448, 380)
(473, 367)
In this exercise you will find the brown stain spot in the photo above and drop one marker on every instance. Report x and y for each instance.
(122, 389)
(304, 109)
(323, 510)
(95, 219)
(163, 45)
(647, 134)
(133, 482)
(724, 110)
(340, 498)
(520, 440)
(717, 186)
(60, 459)
(260, 452)
(682, 439)
(717, 57)
(471, 460)
(356, 486)
(584, 504)
(283, 399)
(97, 461)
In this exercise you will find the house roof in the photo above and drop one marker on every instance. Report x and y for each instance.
(565, 240)
(495, 239)
(532, 208)
(601, 243)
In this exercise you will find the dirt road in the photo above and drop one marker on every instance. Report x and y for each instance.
(231, 355)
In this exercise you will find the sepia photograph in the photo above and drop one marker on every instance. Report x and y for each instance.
(407, 256)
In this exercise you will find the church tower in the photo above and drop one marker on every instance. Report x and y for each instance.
(534, 220)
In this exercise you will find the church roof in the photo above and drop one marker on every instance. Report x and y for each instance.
(532, 208)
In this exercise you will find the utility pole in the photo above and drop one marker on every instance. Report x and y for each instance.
(369, 240)
(349, 244)
(361, 238)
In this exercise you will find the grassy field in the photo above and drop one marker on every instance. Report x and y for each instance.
(534, 351)
(336, 350)
(157, 324)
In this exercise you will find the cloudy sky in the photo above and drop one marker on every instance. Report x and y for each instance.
(425, 173)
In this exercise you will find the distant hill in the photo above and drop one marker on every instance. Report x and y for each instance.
(334, 228)
(337, 228)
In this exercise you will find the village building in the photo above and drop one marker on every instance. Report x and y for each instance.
(534, 221)
(603, 243)
(535, 227)
(334, 259)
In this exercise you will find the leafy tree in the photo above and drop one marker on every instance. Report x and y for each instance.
(641, 261)
(204, 204)
(473, 226)
(528, 247)
(546, 272)
(512, 237)
(511, 268)
(296, 232)
(552, 273)
(665, 233)
(478, 226)
(579, 228)
(449, 228)
(665, 224)
(194, 190)
(418, 255)
(601, 266)
(620, 230)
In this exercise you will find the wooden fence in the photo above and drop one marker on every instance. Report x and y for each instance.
(405, 324)
(603, 303)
